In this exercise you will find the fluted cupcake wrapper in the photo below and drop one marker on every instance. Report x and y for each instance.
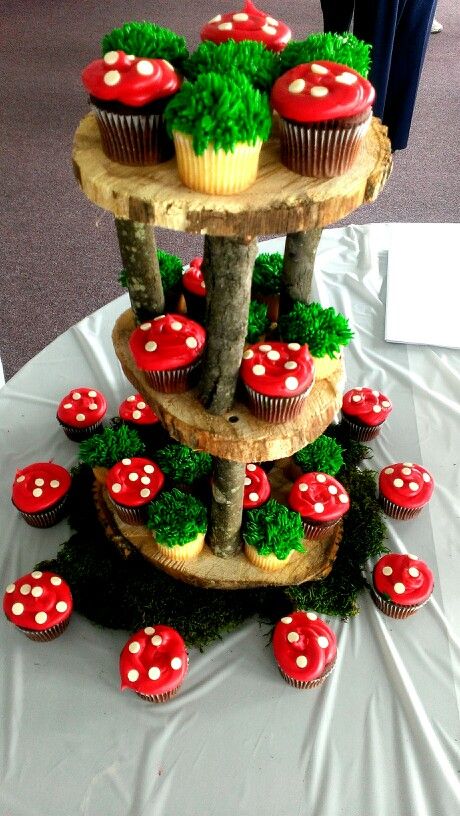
(393, 610)
(46, 634)
(216, 172)
(320, 151)
(173, 381)
(131, 515)
(80, 434)
(47, 518)
(317, 532)
(307, 684)
(134, 139)
(158, 698)
(276, 409)
(361, 433)
(394, 511)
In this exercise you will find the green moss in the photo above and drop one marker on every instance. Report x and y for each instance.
(353, 452)
(267, 272)
(258, 321)
(110, 446)
(253, 59)
(220, 111)
(182, 464)
(324, 330)
(176, 518)
(123, 279)
(144, 39)
(343, 48)
(323, 455)
(170, 269)
(274, 529)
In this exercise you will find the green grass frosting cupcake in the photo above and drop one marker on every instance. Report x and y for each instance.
(324, 330)
(271, 534)
(253, 59)
(144, 39)
(178, 522)
(345, 49)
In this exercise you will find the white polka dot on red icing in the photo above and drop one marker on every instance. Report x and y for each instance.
(286, 619)
(41, 617)
(323, 642)
(251, 467)
(17, 609)
(10, 588)
(154, 673)
(387, 571)
(312, 616)
(258, 370)
(293, 637)
(144, 68)
(399, 588)
(291, 383)
(301, 661)
(413, 572)
(156, 640)
(37, 591)
(61, 606)
(176, 663)
(297, 86)
(319, 91)
(133, 675)
(151, 345)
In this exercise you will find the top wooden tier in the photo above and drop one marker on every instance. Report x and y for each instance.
(279, 202)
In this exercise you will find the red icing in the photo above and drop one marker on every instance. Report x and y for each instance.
(42, 594)
(135, 409)
(366, 405)
(133, 81)
(250, 24)
(414, 485)
(192, 278)
(269, 369)
(340, 99)
(134, 482)
(319, 497)
(409, 582)
(50, 482)
(154, 657)
(315, 649)
(82, 407)
(256, 487)
(175, 340)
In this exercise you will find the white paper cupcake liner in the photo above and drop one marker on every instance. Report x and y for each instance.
(308, 684)
(393, 610)
(401, 513)
(173, 381)
(320, 152)
(216, 172)
(134, 139)
(276, 409)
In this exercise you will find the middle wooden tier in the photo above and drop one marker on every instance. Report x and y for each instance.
(238, 435)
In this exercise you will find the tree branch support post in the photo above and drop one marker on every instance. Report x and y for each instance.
(139, 257)
(299, 262)
(226, 507)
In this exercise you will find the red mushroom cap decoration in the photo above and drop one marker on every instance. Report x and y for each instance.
(133, 81)
(304, 646)
(249, 24)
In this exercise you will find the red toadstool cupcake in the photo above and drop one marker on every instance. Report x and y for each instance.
(404, 489)
(321, 501)
(39, 604)
(194, 289)
(40, 493)
(131, 485)
(256, 487)
(325, 111)
(128, 95)
(305, 649)
(248, 24)
(278, 377)
(402, 584)
(153, 663)
(364, 410)
(135, 413)
(168, 349)
(80, 413)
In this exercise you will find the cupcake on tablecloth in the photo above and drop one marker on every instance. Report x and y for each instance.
(272, 533)
(168, 349)
(404, 489)
(402, 584)
(278, 377)
(139, 416)
(364, 411)
(39, 604)
(131, 485)
(256, 487)
(218, 124)
(305, 649)
(178, 522)
(194, 289)
(253, 59)
(321, 501)
(153, 663)
(40, 493)
(248, 24)
(325, 111)
(80, 413)
(324, 330)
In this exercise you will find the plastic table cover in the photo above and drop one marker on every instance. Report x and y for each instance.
(380, 737)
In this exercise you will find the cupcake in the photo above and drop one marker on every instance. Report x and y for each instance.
(194, 289)
(153, 663)
(278, 377)
(404, 489)
(128, 95)
(178, 522)
(364, 411)
(256, 487)
(253, 59)
(80, 413)
(39, 604)
(325, 111)
(184, 467)
(324, 455)
(343, 48)
(171, 280)
(139, 416)
(40, 493)
(131, 485)
(258, 322)
(145, 39)
(305, 649)
(249, 24)
(271, 534)
(325, 331)
(266, 281)
(168, 349)
(218, 124)
(321, 501)
(401, 584)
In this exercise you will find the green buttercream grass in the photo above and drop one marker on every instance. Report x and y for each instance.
(110, 446)
(253, 59)
(144, 39)
(170, 269)
(258, 321)
(324, 455)
(267, 272)
(324, 330)
(176, 518)
(274, 529)
(182, 464)
(219, 111)
(345, 49)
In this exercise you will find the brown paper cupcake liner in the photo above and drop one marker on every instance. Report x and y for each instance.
(159, 698)
(318, 532)
(320, 151)
(134, 139)
(361, 433)
(276, 409)
(308, 684)
(48, 518)
(393, 610)
(80, 434)
(174, 381)
(46, 634)
(130, 515)
(400, 513)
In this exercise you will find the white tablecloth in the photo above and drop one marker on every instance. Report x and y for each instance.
(380, 737)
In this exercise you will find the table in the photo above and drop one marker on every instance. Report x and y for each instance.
(380, 737)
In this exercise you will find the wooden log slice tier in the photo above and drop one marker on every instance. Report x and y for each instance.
(279, 201)
(237, 435)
